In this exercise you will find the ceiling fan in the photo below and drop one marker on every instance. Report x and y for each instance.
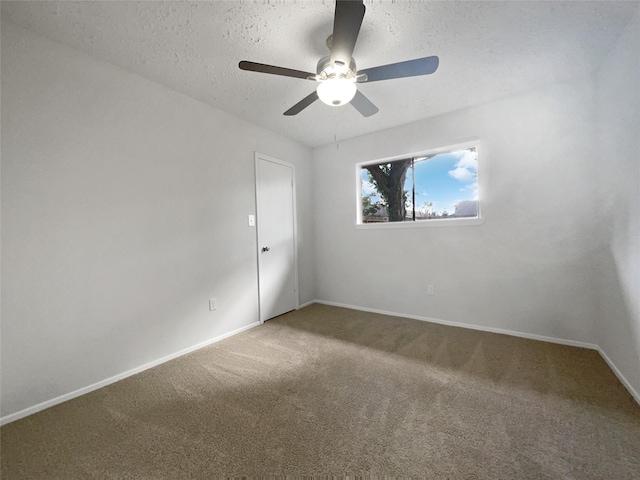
(337, 74)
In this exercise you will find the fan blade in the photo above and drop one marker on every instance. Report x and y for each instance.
(346, 26)
(302, 104)
(410, 68)
(364, 105)
(262, 68)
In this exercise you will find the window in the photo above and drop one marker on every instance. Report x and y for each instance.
(424, 188)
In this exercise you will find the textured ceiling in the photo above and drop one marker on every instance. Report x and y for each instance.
(487, 50)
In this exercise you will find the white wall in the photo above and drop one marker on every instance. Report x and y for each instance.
(618, 268)
(527, 268)
(124, 209)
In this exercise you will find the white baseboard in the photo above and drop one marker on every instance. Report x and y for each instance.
(513, 333)
(68, 396)
(470, 326)
(103, 383)
(307, 304)
(634, 393)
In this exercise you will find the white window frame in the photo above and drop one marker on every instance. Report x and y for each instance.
(435, 222)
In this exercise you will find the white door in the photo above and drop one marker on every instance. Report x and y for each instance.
(277, 279)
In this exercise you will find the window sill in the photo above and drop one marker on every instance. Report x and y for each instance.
(449, 222)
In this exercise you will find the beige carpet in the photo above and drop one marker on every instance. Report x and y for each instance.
(330, 391)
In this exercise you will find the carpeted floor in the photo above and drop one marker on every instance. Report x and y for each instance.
(331, 391)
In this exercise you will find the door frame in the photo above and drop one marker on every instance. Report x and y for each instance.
(258, 157)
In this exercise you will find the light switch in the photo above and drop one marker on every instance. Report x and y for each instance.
(252, 220)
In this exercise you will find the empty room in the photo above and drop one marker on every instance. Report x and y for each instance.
(270, 238)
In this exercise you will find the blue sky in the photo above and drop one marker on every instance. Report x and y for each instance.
(444, 180)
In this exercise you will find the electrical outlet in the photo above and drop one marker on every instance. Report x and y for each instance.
(430, 290)
(213, 304)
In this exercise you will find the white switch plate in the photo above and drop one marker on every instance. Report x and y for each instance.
(252, 220)
(430, 290)
(213, 304)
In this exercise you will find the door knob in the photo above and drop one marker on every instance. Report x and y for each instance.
(265, 249)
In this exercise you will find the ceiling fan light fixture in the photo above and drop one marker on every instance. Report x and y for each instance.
(336, 91)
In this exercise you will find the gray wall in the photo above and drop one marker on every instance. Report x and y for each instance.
(618, 267)
(525, 269)
(124, 209)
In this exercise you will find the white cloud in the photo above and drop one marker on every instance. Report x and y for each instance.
(368, 188)
(473, 188)
(466, 167)
(462, 174)
(468, 159)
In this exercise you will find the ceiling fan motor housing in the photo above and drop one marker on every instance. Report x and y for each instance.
(326, 70)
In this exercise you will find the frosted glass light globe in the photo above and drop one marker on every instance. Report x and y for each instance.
(336, 91)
